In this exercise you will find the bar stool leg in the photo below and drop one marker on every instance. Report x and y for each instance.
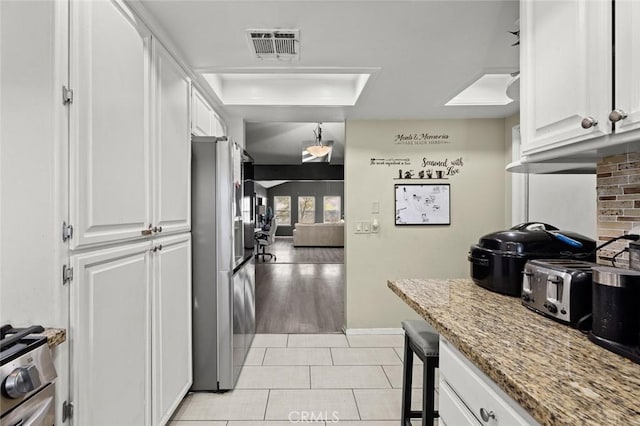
(407, 376)
(428, 393)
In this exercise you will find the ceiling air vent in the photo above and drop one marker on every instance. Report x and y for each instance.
(275, 44)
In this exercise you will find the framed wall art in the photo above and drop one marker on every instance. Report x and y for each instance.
(423, 204)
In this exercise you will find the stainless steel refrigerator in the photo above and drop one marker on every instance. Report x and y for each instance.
(222, 226)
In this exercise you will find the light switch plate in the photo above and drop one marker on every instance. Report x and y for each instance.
(366, 227)
(358, 227)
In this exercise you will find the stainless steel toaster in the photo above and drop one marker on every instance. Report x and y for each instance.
(560, 289)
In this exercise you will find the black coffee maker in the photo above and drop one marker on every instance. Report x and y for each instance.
(616, 311)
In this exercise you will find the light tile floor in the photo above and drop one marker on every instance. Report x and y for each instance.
(319, 379)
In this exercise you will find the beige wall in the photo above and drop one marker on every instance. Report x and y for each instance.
(477, 208)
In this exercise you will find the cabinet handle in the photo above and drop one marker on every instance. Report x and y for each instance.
(487, 415)
(617, 115)
(156, 248)
(588, 122)
(147, 231)
(160, 247)
(157, 229)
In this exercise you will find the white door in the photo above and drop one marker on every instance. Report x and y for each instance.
(565, 71)
(202, 118)
(109, 150)
(172, 165)
(627, 78)
(111, 336)
(172, 361)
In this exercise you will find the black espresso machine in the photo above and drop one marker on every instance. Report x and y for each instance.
(497, 261)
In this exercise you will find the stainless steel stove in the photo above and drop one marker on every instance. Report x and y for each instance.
(26, 378)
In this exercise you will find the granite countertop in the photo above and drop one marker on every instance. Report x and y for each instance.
(55, 336)
(553, 371)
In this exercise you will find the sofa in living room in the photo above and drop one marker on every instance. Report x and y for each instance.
(318, 235)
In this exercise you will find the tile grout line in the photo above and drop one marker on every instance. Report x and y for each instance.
(355, 400)
(264, 416)
(331, 354)
(264, 356)
(310, 386)
(287, 344)
(387, 376)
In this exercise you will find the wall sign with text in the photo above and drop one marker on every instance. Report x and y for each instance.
(426, 168)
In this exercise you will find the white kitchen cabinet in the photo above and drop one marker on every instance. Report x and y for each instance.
(172, 150)
(566, 51)
(130, 137)
(109, 122)
(171, 359)
(131, 332)
(204, 120)
(111, 336)
(567, 79)
(627, 75)
(469, 397)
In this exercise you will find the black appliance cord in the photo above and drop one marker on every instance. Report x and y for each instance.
(613, 259)
(630, 237)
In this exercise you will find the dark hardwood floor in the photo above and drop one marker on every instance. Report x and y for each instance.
(301, 292)
(286, 253)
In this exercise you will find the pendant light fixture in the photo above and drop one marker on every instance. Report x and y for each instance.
(317, 149)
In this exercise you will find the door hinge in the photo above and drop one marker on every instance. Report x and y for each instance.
(67, 95)
(67, 274)
(67, 411)
(67, 232)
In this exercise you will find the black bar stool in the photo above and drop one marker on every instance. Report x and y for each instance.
(420, 339)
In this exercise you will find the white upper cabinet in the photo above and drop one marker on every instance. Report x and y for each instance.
(204, 120)
(202, 116)
(627, 75)
(172, 150)
(109, 148)
(566, 76)
(130, 157)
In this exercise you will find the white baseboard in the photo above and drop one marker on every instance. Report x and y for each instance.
(356, 331)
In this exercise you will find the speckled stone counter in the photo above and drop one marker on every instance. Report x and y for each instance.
(55, 336)
(553, 371)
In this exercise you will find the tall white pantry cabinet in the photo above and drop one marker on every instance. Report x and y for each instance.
(129, 206)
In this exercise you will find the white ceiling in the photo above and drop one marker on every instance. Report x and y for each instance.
(421, 53)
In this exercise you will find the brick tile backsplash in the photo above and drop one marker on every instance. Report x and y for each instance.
(618, 189)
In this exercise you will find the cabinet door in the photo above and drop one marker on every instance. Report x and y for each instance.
(452, 411)
(111, 335)
(202, 118)
(109, 149)
(171, 360)
(565, 71)
(627, 78)
(172, 153)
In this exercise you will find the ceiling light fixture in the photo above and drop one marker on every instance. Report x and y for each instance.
(317, 149)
